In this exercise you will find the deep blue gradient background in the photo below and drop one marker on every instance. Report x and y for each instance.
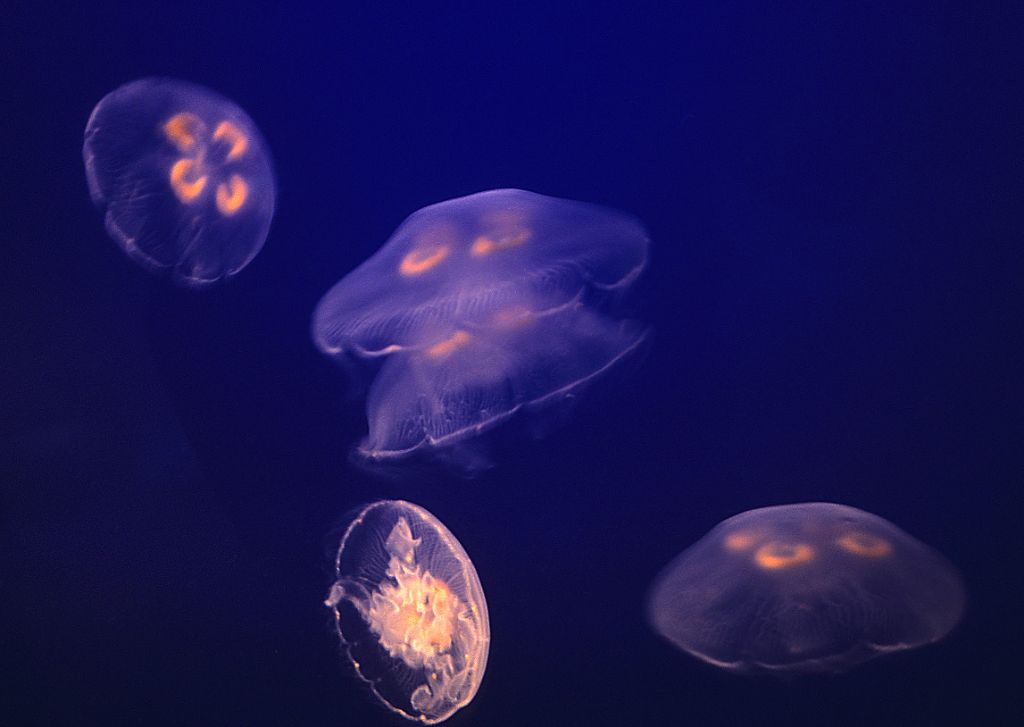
(834, 198)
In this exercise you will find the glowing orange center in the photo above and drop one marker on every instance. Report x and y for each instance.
(774, 556)
(420, 261)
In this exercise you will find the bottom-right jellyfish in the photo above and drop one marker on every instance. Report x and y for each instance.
(804, 588)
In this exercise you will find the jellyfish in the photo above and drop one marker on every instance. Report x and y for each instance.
(480, 307)
(182, 177)
(410, 611)
(804, 588)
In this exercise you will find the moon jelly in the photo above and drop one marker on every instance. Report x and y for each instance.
(410, 611)
(483, 305)
(182, 177)
(803, 588)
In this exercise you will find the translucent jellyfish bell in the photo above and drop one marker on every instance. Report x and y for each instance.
(182, 177)
(803, 588)
(410, 611)
(483, 305)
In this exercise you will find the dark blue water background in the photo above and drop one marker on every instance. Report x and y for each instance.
(831, 196)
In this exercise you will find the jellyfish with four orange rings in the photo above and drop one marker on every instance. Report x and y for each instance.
(183, 178)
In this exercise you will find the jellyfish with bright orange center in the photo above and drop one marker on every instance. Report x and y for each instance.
(410, 611)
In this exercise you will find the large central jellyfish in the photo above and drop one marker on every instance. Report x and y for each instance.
(483, 305)
(410, 611)
(804, 588)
